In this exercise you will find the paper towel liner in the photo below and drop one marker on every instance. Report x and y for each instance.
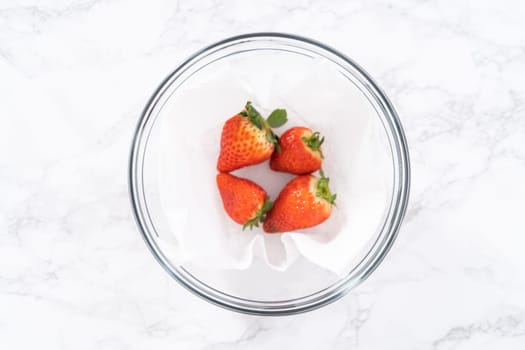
(356, 160)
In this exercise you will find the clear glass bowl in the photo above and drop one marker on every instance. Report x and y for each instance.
(303, 287)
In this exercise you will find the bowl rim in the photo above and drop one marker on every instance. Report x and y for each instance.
(287, 307)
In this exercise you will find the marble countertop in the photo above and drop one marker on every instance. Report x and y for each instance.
(75, 273)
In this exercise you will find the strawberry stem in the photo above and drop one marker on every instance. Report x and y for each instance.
(323, 190)
(260, 215)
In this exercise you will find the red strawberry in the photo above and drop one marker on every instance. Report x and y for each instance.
(247, 138)
(245, 202)
(305, 201)
(300, 152)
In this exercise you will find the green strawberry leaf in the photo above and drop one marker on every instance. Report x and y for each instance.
(260, 215)
(323, 190)
(277, 145)
(267, 206)
(272, 138)
(277, 118)
(314, 142)
(255, 117)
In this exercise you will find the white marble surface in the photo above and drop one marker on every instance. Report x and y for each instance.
(74, 272)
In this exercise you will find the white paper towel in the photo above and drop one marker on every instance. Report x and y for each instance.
(356, 161)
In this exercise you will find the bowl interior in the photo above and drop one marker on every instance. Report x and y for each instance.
(181, 127)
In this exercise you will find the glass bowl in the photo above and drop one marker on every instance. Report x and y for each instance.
(258, 290)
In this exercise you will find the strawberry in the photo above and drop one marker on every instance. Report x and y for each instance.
(245, 202)
(300, 152)
(247, 138)
(305, 201)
